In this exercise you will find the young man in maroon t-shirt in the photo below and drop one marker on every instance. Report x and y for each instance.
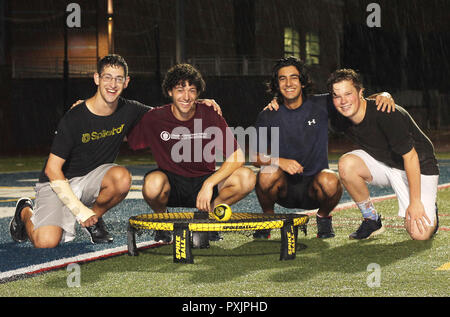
(184, 138)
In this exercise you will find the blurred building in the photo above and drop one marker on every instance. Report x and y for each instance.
(221, 37)
(45, 65)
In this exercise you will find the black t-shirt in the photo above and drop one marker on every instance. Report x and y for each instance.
(86, 140)
(303, 132)
(388, 136)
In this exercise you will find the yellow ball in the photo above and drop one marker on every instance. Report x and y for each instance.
(222, 212)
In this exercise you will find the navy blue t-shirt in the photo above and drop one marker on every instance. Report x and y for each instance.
(302, 134)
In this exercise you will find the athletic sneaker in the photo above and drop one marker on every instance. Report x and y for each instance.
(368, 228)
(163, 236)
(98, 232)
(262, 234)
(17, 226)
(324, 227)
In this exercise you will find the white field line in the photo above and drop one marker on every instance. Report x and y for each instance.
(42, 267)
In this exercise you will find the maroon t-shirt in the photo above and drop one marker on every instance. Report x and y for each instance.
(187, 148)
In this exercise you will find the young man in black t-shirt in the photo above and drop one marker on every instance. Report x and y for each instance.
(393, 152)
(79, 181)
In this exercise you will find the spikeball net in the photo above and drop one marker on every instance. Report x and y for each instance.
(188, 226)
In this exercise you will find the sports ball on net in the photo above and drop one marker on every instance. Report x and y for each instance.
(222, 212)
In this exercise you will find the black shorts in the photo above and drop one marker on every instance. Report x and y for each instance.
(297, 192)
(184, 190)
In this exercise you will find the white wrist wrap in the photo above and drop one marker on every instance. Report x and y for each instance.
(64, 191)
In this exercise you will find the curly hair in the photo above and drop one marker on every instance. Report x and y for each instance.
(181, 73)
(273, 87)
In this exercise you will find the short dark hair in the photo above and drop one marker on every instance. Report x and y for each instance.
(307, 85)
(181, 73)
(112, 60)
(345, 74)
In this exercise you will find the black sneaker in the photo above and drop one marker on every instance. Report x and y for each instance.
(368, 228)
(324, 227)
(98, 232)
(17, 226)
(163, 236)
(262, 234)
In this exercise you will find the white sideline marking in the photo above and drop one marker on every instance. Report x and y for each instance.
(65, 261)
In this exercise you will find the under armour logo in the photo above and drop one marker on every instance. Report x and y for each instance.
(313, 121)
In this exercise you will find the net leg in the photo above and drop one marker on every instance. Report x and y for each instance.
(131, 241)
(182, 252)
(288, 241)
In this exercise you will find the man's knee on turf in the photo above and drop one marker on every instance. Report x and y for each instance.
(47, 237)
(415, 234)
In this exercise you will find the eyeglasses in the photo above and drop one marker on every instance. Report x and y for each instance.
(108, 78)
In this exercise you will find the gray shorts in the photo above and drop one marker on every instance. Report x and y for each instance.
(50, 211)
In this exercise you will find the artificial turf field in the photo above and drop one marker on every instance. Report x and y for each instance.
(240, 266)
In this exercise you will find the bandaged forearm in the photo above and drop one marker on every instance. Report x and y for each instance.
(65, 194)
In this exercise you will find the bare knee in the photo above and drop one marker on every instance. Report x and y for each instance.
(329, 182)
(120, 179)
(266, 180)
(415, 233)
(247, 180)
(421, 236)
(346, 166)
(155, 185)
(47, 237)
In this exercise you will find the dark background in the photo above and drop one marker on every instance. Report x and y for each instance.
(234, 43)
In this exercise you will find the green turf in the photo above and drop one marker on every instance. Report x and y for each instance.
(35, 163)
(240, 266)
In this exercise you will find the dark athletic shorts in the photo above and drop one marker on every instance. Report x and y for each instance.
(184, 190)
(297, 193)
